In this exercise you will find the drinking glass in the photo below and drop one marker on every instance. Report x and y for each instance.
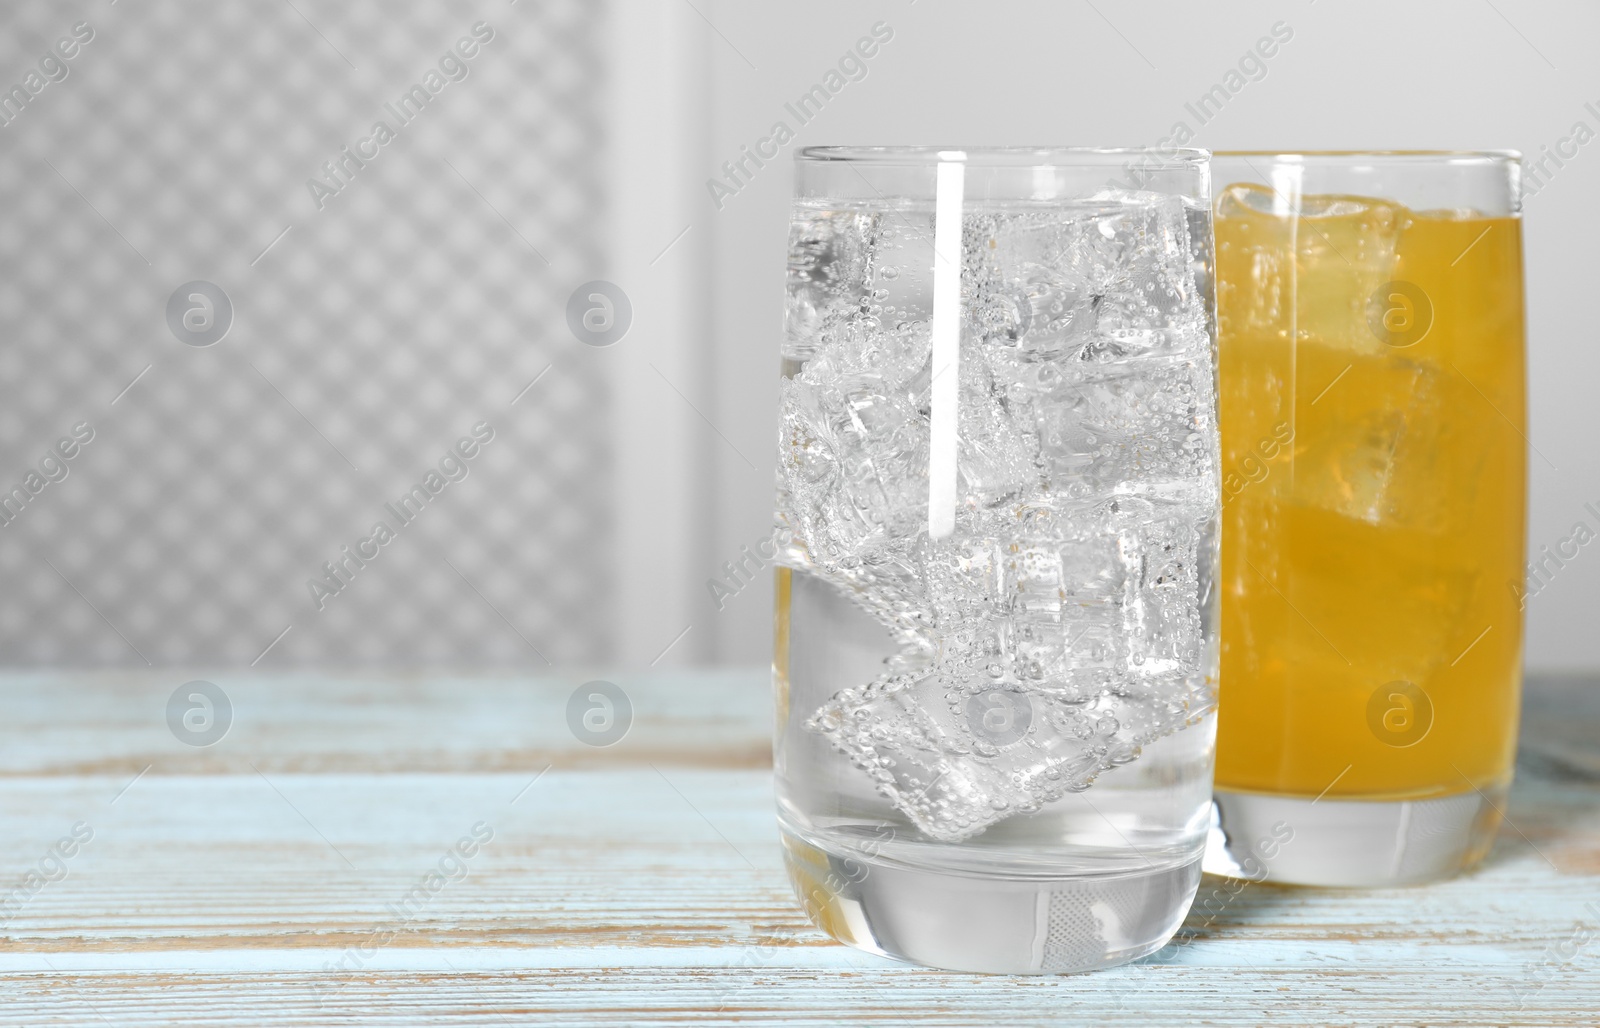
(998, 481)
(1370, 323)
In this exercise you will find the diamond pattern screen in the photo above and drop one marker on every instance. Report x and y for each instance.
(394, 350)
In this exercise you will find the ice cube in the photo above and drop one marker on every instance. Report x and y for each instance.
(1437, 470)
(963, 576)
(853, 462)
(858, 291)
(1161, 544)
(1038, 312)
(1108, 279)
(1062, 317)
(1344, 250)
(994, 459)
(1110, 427)
(828, 261)
(1150, 302)
(891, 586)
(1031, 573)
(808, 467)
(1419, 626)
(1102, 248)
(957, 748)
(1345, 443)
(1030, 608)
(1395, 443)
(1116, 588)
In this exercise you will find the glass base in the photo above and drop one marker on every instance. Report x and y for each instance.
(1351, 843)
(995, 925)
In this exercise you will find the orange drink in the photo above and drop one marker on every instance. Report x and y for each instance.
(1371, 369)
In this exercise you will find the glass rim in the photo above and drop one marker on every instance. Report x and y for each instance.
(1377, 156)
(1149, 158)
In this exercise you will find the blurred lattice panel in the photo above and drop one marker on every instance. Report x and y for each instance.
(375, 322)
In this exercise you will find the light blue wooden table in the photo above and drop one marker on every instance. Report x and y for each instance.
(281, 876)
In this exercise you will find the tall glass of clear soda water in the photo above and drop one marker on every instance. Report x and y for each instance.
(998, 478)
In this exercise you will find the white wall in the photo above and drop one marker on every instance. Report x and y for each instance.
(1360, 75)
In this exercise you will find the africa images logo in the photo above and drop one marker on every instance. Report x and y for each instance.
(53, 67)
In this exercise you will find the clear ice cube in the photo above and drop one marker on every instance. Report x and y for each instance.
(1128, 424)
(854, 467)
(994, 459)
(829, 256)
(958, 749)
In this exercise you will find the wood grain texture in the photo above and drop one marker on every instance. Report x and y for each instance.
(115, 723)
(280, 878)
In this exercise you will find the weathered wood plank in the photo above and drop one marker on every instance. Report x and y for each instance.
(622, 857)
(115, 723)
(651, 890)
(899, 997)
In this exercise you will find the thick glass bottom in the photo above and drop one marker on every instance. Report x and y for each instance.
(1351, 843)
(990, 924)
